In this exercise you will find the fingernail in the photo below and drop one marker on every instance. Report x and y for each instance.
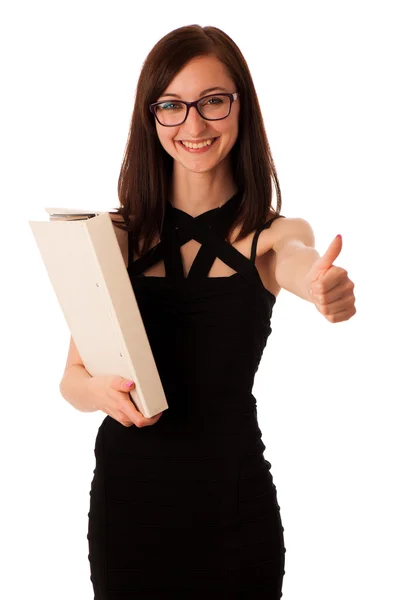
(129, 384)
(339, 235)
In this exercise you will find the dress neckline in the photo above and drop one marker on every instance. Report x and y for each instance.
(209, 229)
(218, 210)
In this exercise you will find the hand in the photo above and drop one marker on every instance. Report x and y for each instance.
(110, 394)
(331, 290)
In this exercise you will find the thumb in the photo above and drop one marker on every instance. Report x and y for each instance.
(324, 263)
(125, 384)
(335, 247)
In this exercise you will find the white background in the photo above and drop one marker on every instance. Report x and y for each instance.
(327, 76)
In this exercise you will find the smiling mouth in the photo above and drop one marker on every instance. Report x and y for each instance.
(203, 145)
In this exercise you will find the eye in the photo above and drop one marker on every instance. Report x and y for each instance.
(214, 100)
(169, 106)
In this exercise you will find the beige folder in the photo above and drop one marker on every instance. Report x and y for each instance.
(86, 268)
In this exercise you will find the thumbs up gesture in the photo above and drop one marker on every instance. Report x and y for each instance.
(329, 286)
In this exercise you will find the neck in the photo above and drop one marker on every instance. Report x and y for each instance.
(196, 193)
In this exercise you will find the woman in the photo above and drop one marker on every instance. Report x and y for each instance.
(183, 505)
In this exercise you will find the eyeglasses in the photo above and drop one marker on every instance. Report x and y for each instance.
(215, 107)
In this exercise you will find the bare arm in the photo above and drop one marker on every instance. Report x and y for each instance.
(74, 388)
(291, 271)
(74, 384)
(295, 255)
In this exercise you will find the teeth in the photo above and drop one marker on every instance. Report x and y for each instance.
(200, 145)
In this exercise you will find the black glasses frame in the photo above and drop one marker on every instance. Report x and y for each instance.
(232, 98)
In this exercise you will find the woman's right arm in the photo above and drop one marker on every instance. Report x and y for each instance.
(73, 386)
(109, 393)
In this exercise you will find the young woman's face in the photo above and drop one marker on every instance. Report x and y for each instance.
(200, 77)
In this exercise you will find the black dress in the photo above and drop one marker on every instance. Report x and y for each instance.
(186, 509)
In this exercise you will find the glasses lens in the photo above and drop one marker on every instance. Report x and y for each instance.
(215, 107)
(171, 112)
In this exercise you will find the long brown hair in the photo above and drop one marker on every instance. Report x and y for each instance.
(146, 170)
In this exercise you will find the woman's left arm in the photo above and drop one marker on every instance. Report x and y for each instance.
(301, 270)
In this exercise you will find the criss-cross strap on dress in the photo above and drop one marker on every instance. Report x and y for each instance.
(186, 509)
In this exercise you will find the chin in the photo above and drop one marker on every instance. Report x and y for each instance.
(200, 168)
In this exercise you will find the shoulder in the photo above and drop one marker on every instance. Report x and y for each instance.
(283, 232)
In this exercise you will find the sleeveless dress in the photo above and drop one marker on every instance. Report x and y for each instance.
(186, 509)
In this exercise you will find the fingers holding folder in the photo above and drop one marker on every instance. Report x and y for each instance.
(110, 393)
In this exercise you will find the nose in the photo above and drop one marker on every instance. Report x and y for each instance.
(195, 124)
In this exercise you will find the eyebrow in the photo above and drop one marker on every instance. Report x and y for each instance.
(203, 93)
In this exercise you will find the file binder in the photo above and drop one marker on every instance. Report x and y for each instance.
(83, 259)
